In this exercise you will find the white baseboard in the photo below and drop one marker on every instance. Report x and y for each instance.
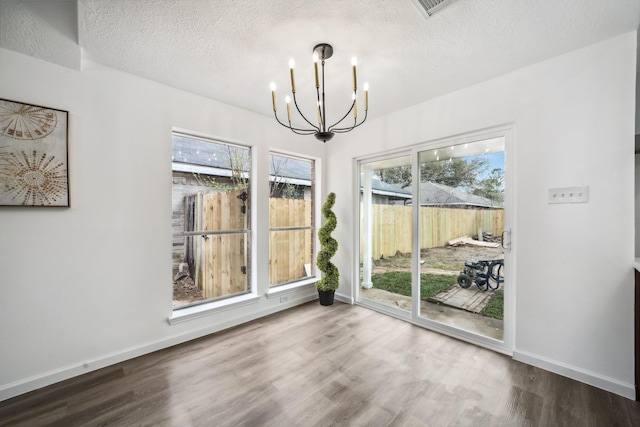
(600, 381)
(35, 382)
(344, 298)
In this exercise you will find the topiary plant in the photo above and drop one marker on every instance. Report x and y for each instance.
(330, 274)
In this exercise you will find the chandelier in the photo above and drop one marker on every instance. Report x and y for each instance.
(321, 131)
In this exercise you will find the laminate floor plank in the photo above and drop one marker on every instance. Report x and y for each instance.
(312, 366)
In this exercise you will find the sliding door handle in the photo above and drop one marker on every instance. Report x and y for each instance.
(505, 239)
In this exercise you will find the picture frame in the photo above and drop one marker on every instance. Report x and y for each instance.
(34, 159)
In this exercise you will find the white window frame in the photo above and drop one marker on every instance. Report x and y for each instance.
(208, 307)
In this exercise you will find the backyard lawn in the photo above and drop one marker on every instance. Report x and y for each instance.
(393, 274)
(399, 282)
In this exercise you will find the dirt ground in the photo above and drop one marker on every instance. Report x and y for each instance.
(441, 260)
(185, 291)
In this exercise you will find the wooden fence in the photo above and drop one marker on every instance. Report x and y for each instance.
(290, 250)
(221, 269)
(391, 227)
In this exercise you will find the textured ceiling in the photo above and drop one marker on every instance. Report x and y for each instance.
(230, 50)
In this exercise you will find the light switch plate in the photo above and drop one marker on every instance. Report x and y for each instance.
(569, 195)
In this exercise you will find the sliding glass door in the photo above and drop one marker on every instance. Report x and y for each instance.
(385, 233)
(461, 227)
(432, 235)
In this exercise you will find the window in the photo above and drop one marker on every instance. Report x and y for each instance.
(210, 203)
(291, 219)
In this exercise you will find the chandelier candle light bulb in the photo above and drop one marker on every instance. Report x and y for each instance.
(273, 96)
(366, 96)
(288, 101)
(354, 62)
(292, 65)
(355, 106)
(322, 131)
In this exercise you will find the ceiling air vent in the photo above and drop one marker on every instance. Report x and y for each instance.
(431, 6)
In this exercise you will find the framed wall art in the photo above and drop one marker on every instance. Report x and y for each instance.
(33, 155)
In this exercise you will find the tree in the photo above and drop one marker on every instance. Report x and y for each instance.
(210, 181)
(239, 165)
(457, 173)
(281, 186)
(238, 161)
(492, 187)
(399, 175)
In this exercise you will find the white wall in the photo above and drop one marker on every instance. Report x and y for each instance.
(91, 283)
(573, 119)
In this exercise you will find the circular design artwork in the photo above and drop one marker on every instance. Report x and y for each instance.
(26, 122)
(34, 178)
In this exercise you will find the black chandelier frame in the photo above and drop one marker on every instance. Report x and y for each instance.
(321, 131)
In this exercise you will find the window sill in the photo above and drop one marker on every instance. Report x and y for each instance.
(278, 291)
(201, 310)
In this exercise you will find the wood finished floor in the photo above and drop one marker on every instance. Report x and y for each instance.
(321, 366)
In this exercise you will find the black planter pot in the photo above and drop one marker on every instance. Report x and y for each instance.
(326, 297)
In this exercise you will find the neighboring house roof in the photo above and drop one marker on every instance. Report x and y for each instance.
(196, 155)
(385, 189)
(432, 194)
(289, 167)
(194, 151)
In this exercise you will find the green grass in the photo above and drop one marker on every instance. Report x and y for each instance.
(442, 264)
(495, 307)
(399, 282)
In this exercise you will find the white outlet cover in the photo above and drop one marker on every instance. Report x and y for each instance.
(569, 195)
